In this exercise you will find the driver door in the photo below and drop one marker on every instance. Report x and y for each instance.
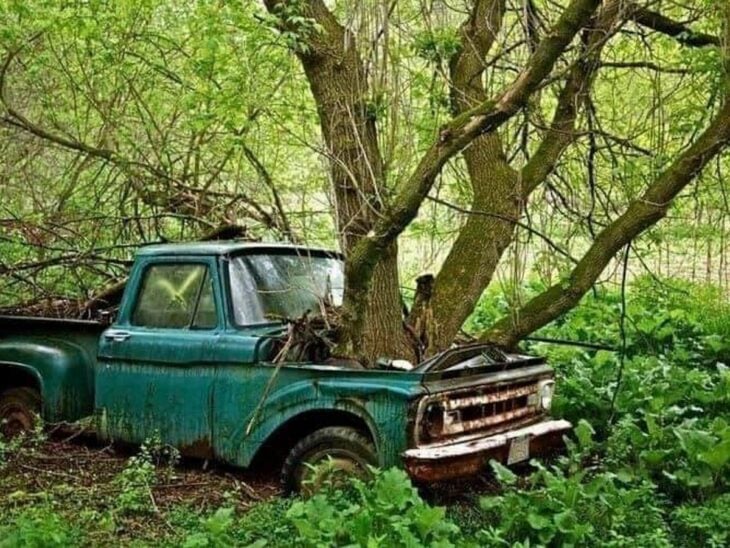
(154, 378)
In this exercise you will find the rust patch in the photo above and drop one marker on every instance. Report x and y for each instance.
(501, 395)
(478, 424)
(200, 449)
(477, 411)
(459, 460)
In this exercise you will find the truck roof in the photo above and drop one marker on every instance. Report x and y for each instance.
(229, 247)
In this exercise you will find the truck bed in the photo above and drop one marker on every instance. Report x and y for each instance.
(26, 325)
(60, 354)
(82, 332)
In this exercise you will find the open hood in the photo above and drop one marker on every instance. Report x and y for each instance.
(472, 360)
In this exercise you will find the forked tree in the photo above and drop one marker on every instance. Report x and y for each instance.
(370, 216)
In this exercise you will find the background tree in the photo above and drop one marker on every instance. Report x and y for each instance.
(484, 141)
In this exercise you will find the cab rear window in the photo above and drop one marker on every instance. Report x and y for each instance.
(176, 296)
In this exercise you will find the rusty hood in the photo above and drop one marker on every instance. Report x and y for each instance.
(478, 364)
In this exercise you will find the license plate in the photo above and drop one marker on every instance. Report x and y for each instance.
(519, 450)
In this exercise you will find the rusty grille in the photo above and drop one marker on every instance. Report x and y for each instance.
(480, 411)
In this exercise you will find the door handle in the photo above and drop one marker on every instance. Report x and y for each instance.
(117, 336)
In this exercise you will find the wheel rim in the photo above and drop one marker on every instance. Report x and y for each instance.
(311, 476)
(14, 421)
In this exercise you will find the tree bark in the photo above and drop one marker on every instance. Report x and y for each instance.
(500, 193)
(338, 83)
(472, 259)
(675, 29)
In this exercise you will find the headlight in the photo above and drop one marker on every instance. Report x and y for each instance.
(545, 391)
(433, 421)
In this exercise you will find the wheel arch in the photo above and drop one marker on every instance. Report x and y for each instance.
(277, 445)
(17, 375)
(61, 370)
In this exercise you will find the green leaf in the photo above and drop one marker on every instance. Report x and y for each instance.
(584, 432)
(503, 474)
(718, 456)
(538, 521)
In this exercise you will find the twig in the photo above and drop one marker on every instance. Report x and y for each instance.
(506, 219)
(622, 329)
(279, 360)
(593, 346)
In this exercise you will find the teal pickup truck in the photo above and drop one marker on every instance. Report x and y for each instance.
(201, 355)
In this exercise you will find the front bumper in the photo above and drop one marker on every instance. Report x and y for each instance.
(457, 460)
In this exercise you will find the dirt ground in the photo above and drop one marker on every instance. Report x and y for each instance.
(76, 456)
(73, 455)
(73, 467)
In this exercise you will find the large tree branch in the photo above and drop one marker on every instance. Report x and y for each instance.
(561, 133)
(454, 137)
(665, 25)
(478, 34)
(640, 215)
(471, 261)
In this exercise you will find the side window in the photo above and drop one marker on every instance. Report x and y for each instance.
(176, 296)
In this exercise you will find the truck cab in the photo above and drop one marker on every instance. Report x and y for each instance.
(206, 353)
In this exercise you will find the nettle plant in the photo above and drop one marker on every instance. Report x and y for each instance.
(153, 464)
(384, 511)
(135, 484)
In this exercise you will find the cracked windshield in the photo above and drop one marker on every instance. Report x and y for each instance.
(275, 287)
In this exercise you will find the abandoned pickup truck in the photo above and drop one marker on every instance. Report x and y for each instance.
(194, 357)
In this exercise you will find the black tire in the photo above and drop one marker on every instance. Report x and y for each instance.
(19, 411)
(342, 444)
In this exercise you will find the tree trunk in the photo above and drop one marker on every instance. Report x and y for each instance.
(339, 86)
(472, 259)
(474, 256)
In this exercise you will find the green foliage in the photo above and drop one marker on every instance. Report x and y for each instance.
(560, 508)
(216, 531)
(295, 28)
(703, 524)
(437, 45)
(135, 483)
(665, 445)
(386, 511)
(263, 524)
(38, 527)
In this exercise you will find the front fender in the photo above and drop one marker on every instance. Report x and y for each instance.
(384, 411)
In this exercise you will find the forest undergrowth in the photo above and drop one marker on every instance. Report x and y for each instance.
(648, 462)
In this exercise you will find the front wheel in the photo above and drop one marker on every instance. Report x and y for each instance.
(348, 451)
(19, 410)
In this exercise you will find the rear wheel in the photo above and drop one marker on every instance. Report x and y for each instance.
(19, 410)
(346, 450)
